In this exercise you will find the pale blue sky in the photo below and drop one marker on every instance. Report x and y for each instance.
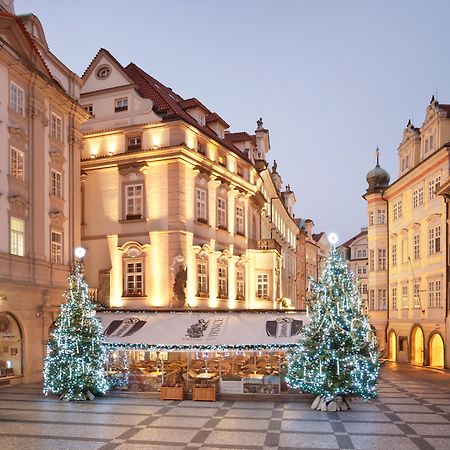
(331, 79)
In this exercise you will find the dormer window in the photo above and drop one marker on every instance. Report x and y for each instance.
(89, 109)
(201, 119)
(121, 104)
(134, 143)
(222, 160)
(201, 148)
(103, 72)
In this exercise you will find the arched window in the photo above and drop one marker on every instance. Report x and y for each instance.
(10, 346)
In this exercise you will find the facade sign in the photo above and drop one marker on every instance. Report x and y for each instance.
(202, 329)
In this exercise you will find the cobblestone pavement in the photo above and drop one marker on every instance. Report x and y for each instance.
(412, 411)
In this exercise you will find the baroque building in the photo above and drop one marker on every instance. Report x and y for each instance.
(355, 251)
(177, 211)
(407, 242)
(39, 190)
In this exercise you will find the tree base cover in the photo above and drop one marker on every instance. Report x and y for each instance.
(336, 403)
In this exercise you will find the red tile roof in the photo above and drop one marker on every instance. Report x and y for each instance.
(240, 136)
(214, 117)
(193, 103)
(169, 104)
(317, 236)
(353, 239)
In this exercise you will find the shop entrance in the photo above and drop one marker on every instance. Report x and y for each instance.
(417, 346)
(392, 346)
(10, 346)
(436, 351)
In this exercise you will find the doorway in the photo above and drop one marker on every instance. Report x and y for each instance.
(417, 346)
(436, 350)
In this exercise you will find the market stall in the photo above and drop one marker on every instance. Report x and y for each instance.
(239, 352)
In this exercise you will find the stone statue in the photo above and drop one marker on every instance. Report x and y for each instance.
(259, 124)
(274, 166)
(179, 286)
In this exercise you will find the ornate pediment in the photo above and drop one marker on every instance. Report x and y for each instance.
(17, 201)
(410, 132)
(57, 217)
(17, 134)
(57, 156)
(138, 168)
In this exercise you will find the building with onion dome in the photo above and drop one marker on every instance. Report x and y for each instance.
(408, 245)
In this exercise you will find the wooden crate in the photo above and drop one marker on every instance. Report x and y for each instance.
(172, 392)
(207, 394)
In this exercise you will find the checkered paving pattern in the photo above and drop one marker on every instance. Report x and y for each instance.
(412, 411)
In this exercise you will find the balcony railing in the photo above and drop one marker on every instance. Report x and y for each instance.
(264, 244)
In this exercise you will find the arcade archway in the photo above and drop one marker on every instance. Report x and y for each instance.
(436, 351)
(392, 346)
(417, 346)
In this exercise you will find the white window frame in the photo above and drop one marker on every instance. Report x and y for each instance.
(56, 183)
(16, 163)
(56, 127)
(433, 186)
(56, 247)
(202, 277)
(394, 254)
(381, 259)
(381, 216)
(262, 284)
(17, 236)
(398, 206)
(382, 299)
(121, 104)
(134, 277)
(16, 98)
(405, 303)
(134, 201)
(240, 220)
(221, 212)
(434, 240)
(222, 280)
(394, 297)
(416, 246)
(201, 196)
(89, 108)
(240, 283)
(134, 142)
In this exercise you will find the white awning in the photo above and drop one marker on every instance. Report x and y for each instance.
(201, 331)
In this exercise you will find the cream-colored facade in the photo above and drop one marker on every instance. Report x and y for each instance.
(408, 246)
(39, 194)
(174, 206)
(355, 251)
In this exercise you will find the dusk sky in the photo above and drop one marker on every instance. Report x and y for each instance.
(331, 79)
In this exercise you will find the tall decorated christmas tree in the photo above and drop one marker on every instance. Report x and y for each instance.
(74, 367)
(337, 354)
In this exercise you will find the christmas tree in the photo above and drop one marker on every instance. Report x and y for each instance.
(74, 367)
(337, 354)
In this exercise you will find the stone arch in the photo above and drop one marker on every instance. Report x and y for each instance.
(392, 348)
(11, 333)
(436, 350)
(417, 340)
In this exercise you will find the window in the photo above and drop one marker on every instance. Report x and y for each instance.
(89, 109)
(134, 143)
(394, 298)
(358, 254)
(221, 212)
(434, 294)
(394, 255)
(371, 215)
(120, 104)
(201, 148)
(134, 278)
(56, 246)
(364, 270)
(364, 253)
(405, 296)
(200, 205)
(16, 98)
(431, 142)
(262, 285)
(56, 183)
(382, 304)
(381, 259)
(381, 216)
(240, 284)
(16, 163)
(17, 236)
(416, 245)
(222, 278)
(372, 299)
(56, 127)
(397, 209)
(134, 201)
(202, 278)
(359, 270)
(240, 220)
(434, 240)
(372, 260)
(103, 72)
(416, 294)
(418, 197)
(222, 160)
(433, 186)
(364, 289)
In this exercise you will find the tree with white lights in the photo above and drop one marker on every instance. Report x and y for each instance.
(74, 367)
(337, 354)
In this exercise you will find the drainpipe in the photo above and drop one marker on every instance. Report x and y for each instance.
(387, 272)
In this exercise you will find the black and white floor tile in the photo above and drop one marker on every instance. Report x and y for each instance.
(412, 411)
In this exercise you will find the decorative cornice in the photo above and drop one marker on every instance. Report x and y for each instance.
(137, 168)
